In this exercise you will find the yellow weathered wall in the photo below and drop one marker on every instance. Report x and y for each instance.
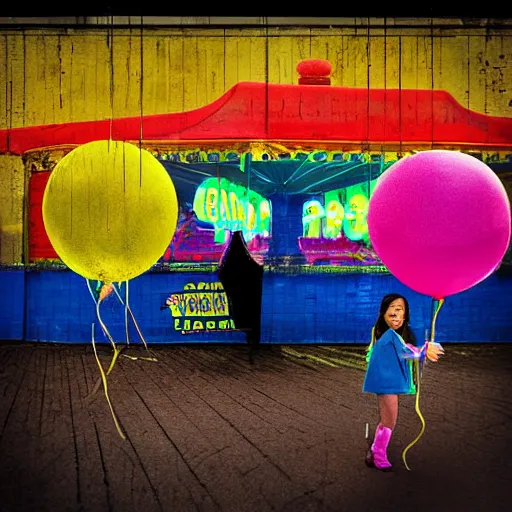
(11, 209)
(63, 75)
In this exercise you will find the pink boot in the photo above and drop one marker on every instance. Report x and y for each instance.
(377, 456)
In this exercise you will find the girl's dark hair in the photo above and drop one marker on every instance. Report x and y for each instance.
(381, 326)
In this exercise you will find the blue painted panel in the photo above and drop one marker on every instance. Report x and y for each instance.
(12, 296)
(61, 309)
(341, 308)
(311, 308)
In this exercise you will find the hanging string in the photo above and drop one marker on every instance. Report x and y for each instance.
(417, 370)
(98, 314)
(141, 134)
(105, 387)
(370, 346)
(105, 291)
(141, 97)
(418, 412)
(111, 66)
(126, 308)
(434, 318)
(129, 310)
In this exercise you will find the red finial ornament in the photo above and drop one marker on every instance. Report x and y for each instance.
(314, 72)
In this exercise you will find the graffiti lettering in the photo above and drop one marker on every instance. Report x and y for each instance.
(188, 325)
(213, 303)
(198, 301)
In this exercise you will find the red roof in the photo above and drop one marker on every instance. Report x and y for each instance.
(258, 111)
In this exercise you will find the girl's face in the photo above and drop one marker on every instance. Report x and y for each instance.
(395, 314)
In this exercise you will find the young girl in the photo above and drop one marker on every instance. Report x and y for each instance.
(390, 371)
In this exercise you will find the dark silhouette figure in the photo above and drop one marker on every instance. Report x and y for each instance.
(242, 278)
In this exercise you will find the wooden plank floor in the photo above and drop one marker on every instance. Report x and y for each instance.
(205, 430)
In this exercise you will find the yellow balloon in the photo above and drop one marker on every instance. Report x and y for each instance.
(110, 210)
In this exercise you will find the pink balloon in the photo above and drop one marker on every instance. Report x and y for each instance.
(440, 221)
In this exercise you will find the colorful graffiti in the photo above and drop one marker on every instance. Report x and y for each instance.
(335, 229)
(200, 306)
(232, 207)
(219, 207)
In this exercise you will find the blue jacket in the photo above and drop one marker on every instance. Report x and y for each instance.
(388, 371)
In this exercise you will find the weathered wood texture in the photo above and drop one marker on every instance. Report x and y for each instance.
(63, 75)
(205, 430)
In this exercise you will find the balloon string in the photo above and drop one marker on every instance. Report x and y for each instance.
(98, 315)
(417, 408)
(90, 290)
(126, 295)
(117, 351)
(418, 379)
(103, 377)
(129, 310)
(434, 318)
(105, 387)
